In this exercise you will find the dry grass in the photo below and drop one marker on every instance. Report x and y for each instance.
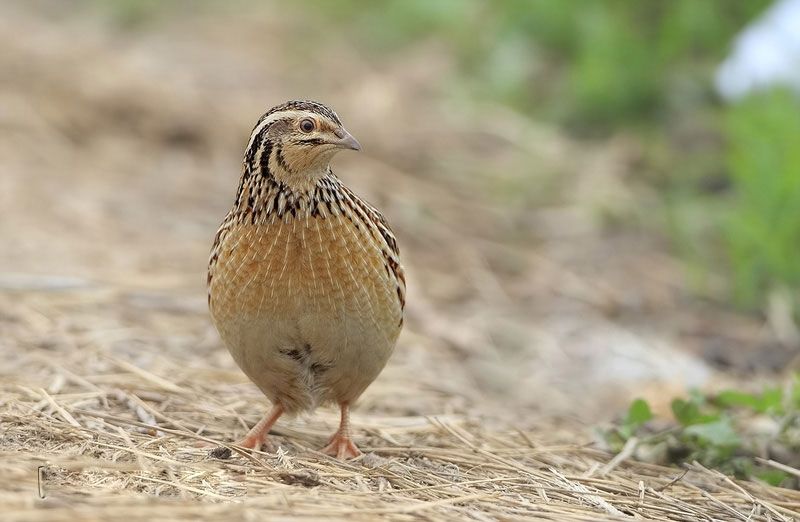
(120, 427)
(119, 156)
(121, 444)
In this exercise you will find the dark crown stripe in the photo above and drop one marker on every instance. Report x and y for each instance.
(302, 105)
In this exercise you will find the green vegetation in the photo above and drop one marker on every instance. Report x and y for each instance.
(733, 431)
(729, 174)
(594, 65)
(762, 230)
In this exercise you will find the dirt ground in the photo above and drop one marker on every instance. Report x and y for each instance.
(529, 319)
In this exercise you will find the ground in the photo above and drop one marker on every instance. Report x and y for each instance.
(529, 319)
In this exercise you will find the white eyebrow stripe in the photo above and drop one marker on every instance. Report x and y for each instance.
(272, 118)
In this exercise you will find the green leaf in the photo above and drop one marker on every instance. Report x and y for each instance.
(688, 413)
(773, 477)
(638, 413)
(730, 398)
(716, 433)
(684, 411)
(769, 401)
(795, 393)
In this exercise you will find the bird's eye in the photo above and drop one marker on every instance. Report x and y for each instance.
(307, 125)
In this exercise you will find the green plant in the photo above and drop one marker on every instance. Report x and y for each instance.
(621, 65)
(595, 65)
(763, 224)
(727, 431)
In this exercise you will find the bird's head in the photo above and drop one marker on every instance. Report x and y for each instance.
(295, 141)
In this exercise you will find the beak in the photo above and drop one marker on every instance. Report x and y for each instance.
(346, 140)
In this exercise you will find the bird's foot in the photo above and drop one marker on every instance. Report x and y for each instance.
(249, 442)
(256, 438)
(256, 442)
(342, 447)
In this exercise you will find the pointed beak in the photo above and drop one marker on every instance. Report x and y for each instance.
(346, 140)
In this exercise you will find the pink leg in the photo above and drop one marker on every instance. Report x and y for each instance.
(341, 444)
(257, 436)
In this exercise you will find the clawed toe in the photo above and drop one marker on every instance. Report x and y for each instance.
(256, 443)
(342, 447)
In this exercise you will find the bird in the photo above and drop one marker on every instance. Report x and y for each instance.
(305, 284)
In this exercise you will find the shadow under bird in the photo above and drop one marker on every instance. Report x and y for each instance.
(305, 284)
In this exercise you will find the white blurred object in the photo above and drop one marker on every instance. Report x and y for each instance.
(765, 54)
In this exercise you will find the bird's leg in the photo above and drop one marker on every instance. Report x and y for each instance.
(257, 436)
(341, 444)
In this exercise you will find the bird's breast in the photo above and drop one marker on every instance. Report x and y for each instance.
(320, 269)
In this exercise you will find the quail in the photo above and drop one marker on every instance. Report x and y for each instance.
(305, 284)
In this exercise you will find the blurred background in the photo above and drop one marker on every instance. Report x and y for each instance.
(595, 201)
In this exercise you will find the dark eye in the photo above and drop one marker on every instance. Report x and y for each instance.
(307, 125)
